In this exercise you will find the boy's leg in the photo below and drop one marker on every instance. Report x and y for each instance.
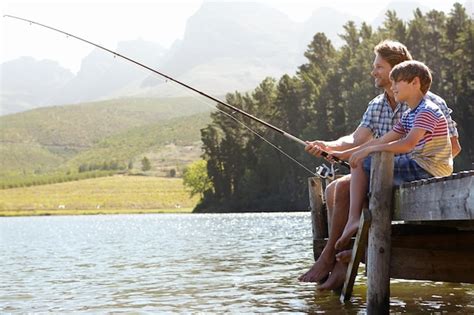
(358, 197)
(337, 202)
(406, 170)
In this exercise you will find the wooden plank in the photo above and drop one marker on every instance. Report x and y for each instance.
(434, 265)
(458, 241)
(318, 212)
(451, 199)
(378, 258)
(358, 252)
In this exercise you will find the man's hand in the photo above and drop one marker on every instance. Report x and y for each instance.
(316, 148)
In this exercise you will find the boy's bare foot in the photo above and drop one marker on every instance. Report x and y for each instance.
(318, 271)
(349, 231)
(345, 256)
(336, 278)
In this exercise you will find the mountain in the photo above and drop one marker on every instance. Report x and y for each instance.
(227, 46)
(404, 11)
(27, 83)
(328, 21)
(233, 46)
(102, 74)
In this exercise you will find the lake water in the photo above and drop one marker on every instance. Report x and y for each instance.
(240, 263)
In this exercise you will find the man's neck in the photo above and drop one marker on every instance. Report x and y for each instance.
(390, 98)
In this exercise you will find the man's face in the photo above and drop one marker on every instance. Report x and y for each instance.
(380, 71)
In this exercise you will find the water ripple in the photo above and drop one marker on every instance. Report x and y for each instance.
(237, 263)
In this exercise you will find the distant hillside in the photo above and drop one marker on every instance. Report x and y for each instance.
(150, 140)
(61, 137)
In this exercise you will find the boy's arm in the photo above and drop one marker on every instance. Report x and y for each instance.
(399, 146)
(388, 137)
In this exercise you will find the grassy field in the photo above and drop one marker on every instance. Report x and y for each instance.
(116, 194)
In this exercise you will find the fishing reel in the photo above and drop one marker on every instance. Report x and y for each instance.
(324, 171)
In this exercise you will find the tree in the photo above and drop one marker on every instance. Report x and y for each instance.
(195, 177)
(146, 164)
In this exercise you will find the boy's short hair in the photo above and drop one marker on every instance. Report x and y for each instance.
(393, 52)
(408, 70)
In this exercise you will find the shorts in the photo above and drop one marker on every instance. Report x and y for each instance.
(404, 170)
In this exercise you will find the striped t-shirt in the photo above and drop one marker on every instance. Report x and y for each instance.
(433, 152)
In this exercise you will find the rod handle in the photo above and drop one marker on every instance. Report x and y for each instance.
(324, 154)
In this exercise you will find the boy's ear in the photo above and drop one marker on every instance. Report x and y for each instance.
(415, 81)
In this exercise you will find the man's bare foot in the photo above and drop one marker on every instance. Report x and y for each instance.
(318, 271)
(336, 278)
(349, 231)
(345, 256)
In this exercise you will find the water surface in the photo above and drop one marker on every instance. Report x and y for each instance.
(183, 263)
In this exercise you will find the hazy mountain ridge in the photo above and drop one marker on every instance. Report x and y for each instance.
(226, 47)
(28, 83)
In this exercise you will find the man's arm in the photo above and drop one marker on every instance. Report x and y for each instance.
(455, 146)
(360, 136)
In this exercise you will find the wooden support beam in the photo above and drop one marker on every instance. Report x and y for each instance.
(450, 198)
(318, 213)
(358, 252)
(433, 265)
(443, 256)
(378, 260)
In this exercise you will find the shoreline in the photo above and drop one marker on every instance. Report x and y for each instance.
(63, 212)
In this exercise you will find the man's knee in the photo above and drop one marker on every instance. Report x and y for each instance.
(338, 191)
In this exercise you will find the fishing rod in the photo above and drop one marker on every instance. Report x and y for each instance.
(233, 108)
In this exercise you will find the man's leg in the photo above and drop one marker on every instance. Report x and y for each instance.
(337, 202)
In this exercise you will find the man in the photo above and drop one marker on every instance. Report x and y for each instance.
(382, 114)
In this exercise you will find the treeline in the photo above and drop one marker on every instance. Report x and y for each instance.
(104, 166)
(325, 100)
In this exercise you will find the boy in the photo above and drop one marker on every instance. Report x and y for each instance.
(422, 131)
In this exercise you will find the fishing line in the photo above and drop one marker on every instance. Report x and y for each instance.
(177, 88)
(235, 109)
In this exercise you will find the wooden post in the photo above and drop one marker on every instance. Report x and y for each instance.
(318, 214)
(378, 260)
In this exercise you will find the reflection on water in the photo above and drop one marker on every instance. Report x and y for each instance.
(182, 263)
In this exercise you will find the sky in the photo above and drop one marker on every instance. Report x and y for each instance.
(107, 22)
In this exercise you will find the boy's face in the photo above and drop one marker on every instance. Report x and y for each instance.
(380, 71)
(401, 90)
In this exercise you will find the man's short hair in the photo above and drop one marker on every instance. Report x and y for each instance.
(393, 52)
(408, 70)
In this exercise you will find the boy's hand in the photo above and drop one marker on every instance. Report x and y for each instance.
(341, 155)
(358, 157)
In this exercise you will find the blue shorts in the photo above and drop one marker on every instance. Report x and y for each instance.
(404, 170)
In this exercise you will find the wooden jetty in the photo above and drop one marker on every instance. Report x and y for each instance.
(422, 230)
